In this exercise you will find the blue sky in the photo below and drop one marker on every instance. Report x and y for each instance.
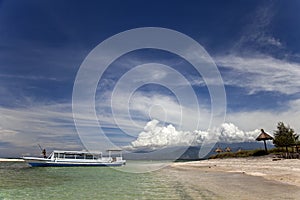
(255, 45)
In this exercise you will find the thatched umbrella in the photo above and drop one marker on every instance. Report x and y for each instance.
(228, 149)
(264, 136)
(218, 150)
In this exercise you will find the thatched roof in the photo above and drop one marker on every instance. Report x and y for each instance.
(264, 136)
(228, 149)
(218, 150)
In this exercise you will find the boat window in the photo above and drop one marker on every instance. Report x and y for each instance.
(88, 156)
(79, 156)
(60, 155)
(70, 156)
(55, 155)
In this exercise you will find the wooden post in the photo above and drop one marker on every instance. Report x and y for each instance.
(265, 146)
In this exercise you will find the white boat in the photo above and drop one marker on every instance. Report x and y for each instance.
(77, 158)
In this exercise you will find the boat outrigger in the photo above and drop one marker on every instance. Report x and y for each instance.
(77, 158)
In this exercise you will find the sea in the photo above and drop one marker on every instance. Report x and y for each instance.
(19, 181)
(136, 180)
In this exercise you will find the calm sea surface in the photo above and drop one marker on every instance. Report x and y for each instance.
(18, 181)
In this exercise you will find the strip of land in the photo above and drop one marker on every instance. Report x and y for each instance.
(11, 160)
(285, 171)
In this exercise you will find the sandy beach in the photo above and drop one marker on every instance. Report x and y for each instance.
(241, 178)
(285, 171)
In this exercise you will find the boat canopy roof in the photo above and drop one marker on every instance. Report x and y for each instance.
(77, 152)
(117, 150)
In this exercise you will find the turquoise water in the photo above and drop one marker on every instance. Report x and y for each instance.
(18, 181)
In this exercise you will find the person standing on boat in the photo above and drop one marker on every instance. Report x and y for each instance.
(44, 153)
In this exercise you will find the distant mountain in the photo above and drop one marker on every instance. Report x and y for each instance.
(187, 153)
(192, 152)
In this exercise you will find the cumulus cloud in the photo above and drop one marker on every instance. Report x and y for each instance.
(156, 135)
(228, 132)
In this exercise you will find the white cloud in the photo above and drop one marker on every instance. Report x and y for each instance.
(52, 122)
(47, 124)
(268, 119)
(168, 112)
(274, 42)
(158, 136)
(7, 135)
(155, 135)
(228, 132)
(53, 125)
(256, 34)
(132, 114)
(261, 73)
(29, 77)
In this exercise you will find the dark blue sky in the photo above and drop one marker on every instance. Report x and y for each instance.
(255, 45)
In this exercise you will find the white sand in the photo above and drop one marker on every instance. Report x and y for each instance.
(285, 171)
(11, 160)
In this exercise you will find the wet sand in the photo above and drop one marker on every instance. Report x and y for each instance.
(285, 171)
(249, 178)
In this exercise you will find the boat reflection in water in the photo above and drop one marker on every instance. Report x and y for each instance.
(77, 158)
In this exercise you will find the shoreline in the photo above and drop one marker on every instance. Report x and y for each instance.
(11, 160)
(286, 171)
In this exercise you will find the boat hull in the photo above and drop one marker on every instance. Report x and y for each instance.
(53, 164)
(40, 162)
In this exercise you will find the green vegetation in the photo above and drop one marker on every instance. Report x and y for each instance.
(246, 153)
(239, 154)
(285, 136)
